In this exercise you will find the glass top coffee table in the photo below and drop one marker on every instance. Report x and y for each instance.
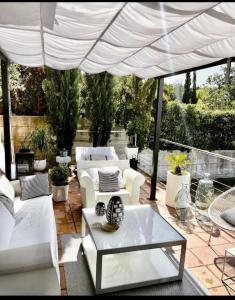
(139, 253)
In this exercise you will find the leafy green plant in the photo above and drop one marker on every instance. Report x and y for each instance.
(178, 162)
(59, 175)
(25, 143)
(40, 142)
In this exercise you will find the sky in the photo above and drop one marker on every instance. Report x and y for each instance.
(202, 76)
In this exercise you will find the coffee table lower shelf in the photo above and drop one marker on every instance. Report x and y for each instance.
(122, 271)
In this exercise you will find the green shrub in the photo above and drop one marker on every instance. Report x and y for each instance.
(204, 129)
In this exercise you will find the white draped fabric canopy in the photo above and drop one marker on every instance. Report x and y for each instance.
(148, 39)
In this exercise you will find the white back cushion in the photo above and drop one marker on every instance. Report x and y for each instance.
(7, 223)
(2, 156)
(87, 164)
(83, 153)
(6, 188)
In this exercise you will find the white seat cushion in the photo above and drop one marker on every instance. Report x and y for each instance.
(6, 188)
(7, 223)
(105, 196)
(33, 240)
(7, 194)
(33, 218)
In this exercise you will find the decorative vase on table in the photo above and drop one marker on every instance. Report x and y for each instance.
(100, 209)
(115, 210)
(182, 203)
(204, 197)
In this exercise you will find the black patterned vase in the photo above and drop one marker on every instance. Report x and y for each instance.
(115, 210)
(100, 209)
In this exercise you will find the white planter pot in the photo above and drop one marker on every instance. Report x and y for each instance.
(173, 185)
(40, 165)
(60, 193)
(131, 152)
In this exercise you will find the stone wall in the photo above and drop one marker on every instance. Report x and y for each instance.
(21, 126)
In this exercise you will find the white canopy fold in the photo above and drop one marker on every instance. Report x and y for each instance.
(148, 39)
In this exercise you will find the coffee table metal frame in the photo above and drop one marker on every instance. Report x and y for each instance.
(86, 230)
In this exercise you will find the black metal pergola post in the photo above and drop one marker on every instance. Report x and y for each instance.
(227, 76)
(6, 116)
(157, 132)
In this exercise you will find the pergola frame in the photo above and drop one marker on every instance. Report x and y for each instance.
(158, 112)
(6, 115)
(157, 117)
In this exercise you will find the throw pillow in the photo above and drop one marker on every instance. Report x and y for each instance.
(108, 181)
(7, 194)
(7, 223)
(114, 169)
(34, 186)
(229, 215)
(6, 188)
(93, 173)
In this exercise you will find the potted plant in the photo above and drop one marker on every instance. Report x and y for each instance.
(60, 187)
(40, 144)
(25, 144)
(131, 149)
(176, 176)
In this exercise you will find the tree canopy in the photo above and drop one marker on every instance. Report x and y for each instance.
(62, 91)
(97, 96)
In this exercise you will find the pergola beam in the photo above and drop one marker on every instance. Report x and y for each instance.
(6, 117)
(214, 64)
(157, 132)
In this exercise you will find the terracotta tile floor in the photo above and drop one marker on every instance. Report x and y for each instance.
(203, 260)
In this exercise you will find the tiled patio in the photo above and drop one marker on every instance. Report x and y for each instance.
(203, 260)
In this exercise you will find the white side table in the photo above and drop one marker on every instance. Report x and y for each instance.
(63, 160)
(224, 278)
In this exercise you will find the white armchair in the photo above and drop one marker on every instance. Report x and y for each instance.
(129, 193)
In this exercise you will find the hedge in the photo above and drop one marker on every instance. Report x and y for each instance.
(208, 130)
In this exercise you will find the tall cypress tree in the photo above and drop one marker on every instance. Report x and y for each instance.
(194, 94)
(97, 94)
(187, 89)
(62, 91)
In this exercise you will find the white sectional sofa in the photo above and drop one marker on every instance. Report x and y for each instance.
(29, 265)
(129, 192)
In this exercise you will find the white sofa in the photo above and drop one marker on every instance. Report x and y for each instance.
(2, 162)
(129, 193)
(29, 265)
(86, 153)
